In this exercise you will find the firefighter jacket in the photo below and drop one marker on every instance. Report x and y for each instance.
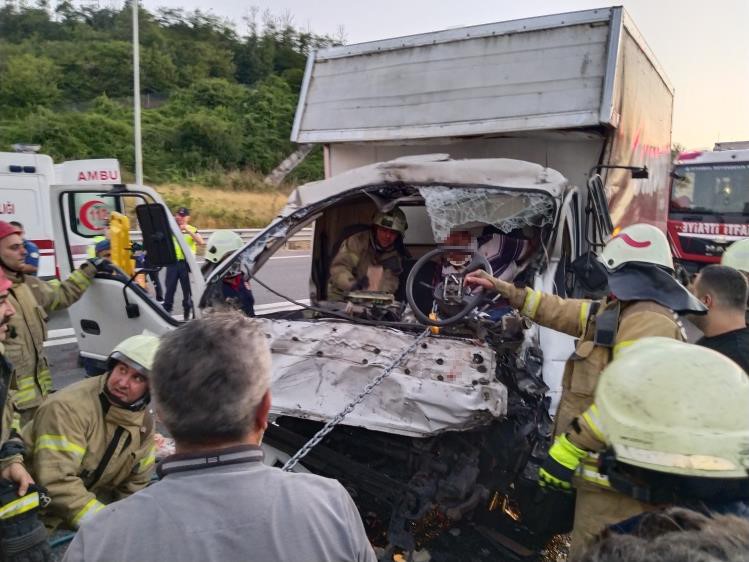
(10, 420)
(603, 328)
(350, 265)
(33, 299)
(88, 452)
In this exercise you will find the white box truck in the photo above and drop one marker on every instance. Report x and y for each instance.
(568, 91)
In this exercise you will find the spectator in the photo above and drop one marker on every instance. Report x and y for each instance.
(180, 272)
(31, 265)
(216, 500)
(723, 290)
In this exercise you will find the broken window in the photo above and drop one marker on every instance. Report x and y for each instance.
(450, 208)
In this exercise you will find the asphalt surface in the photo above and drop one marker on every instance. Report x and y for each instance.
(287, 273)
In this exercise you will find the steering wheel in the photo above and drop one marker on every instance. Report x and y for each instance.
(469, 301)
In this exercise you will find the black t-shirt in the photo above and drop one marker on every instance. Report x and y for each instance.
(734, 345)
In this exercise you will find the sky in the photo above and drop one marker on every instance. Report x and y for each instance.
(703, 46)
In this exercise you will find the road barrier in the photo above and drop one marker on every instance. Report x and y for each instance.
(302, 240)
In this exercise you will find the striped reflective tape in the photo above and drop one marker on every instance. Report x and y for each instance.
(531, 303)
(59, 443)
(583, 320)
(593, 420)
(147, 461)
(93, 507)
(622, 345)
(19, 506)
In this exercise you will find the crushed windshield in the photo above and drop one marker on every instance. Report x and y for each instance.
(720, 188)
(451, 207)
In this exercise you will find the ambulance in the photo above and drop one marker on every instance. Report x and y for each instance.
(25, 179)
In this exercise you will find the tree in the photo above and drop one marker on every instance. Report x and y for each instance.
(28, 81)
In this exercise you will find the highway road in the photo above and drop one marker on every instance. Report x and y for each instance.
(287, 273)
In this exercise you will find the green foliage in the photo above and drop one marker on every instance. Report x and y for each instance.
(219, 104)
(27, 81)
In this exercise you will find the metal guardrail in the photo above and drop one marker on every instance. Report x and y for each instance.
(300, 240)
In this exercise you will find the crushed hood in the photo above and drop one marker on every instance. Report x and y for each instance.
(320, 367)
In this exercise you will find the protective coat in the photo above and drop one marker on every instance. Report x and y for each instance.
(597, 504)
(67, 440)
(573, 316)
(9, 420)
(33, 299)
(352, 261)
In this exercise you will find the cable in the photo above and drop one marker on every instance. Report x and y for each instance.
(401, 325)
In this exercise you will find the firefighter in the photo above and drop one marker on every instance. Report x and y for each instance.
(32, 299)
(235, 289)
(737, 257)
(673, 417)
(644, 297)
(366, 256)
(22, 535)
(92, 443)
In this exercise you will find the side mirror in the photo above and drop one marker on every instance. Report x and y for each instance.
(157, 234)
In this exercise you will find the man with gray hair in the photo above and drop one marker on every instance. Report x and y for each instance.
(216, 500)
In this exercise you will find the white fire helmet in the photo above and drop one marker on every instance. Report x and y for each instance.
(220, 243)
(676, 408)
(638, 243)
(737, 255)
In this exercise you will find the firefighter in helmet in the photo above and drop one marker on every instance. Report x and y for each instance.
(92, 443)
(370, 260)
(643, 301)
(234, 288)
(674, 419)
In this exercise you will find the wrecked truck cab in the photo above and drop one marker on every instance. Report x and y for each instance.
(452, 438)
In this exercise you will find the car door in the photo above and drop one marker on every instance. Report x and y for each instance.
(115, 306)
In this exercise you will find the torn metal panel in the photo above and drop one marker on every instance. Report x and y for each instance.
(446, 385)
(434, 169)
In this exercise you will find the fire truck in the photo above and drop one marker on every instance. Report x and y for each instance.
(709, 205)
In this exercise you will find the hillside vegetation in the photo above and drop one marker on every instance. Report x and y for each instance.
(218, 106)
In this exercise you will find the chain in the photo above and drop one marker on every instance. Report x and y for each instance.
(328, 427)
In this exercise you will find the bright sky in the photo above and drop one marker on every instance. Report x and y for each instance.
(702, 45)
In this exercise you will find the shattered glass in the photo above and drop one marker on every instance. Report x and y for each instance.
(451, 207)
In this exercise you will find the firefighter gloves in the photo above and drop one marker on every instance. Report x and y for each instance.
(559, 467)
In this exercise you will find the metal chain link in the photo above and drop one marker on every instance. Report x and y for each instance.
(328, 427)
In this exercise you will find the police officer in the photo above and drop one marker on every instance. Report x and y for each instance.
(643, 300)
(373, 252)
(234, 288)
(674, 420)
(92, 442)
(32, 300)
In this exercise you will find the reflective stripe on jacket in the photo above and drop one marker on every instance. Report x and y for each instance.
(33, 299)
(67, 440)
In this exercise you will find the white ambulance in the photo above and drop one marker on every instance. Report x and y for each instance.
(25, 179)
